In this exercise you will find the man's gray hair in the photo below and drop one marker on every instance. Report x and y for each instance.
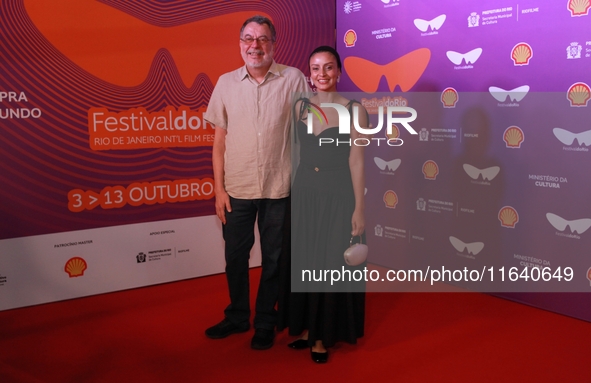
(261, 20)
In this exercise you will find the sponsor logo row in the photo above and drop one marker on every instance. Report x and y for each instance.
(520, 54)
(513, 137)
(508, 218)
(406, 70)
(76, 266)
(484, 177)
(576, 8)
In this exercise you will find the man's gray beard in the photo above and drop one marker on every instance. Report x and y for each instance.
(263, 63)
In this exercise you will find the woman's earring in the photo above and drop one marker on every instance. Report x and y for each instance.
(339, 79)
(311, 82)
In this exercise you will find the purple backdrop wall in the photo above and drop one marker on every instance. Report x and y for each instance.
(496, 176)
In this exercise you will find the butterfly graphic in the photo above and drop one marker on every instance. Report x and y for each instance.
(473, 248)
(391, 165)
(516, 94)
(120, 48)
(435, 24)
(405, 71)
(487, 174)
(578, 226)
(469, 57)
(567, 138)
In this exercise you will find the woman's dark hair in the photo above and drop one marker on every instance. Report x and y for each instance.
(331, 50)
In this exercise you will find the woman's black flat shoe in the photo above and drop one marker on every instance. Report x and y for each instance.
(299, 344)
(319, 357)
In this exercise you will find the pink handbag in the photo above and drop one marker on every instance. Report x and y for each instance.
(356, 253)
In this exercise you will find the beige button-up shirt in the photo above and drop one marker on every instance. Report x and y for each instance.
(257, 119)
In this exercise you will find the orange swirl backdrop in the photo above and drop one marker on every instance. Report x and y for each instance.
(102, 135)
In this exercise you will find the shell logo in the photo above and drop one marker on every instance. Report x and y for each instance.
(75, 267)
(513, 137)
(578, 94)
(395, 133)
(390, 199)
(350, 38)
(508, 217)
(449, 97)
(430, 170)
(521, 54)
(578, 7)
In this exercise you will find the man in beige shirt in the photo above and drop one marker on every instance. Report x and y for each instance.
(251, 110)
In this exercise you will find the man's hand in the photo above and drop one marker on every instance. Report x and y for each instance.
(222, 199)
(222, 204)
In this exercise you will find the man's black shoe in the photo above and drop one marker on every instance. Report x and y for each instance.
(262, 339)
(225, 328)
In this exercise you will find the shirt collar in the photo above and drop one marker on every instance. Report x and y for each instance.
(273, 69)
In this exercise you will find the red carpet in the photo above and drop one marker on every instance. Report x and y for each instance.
(155, 334)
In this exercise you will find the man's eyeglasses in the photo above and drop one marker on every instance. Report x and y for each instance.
(248, 40)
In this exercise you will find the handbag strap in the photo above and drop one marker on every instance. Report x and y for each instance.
(360, 239)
